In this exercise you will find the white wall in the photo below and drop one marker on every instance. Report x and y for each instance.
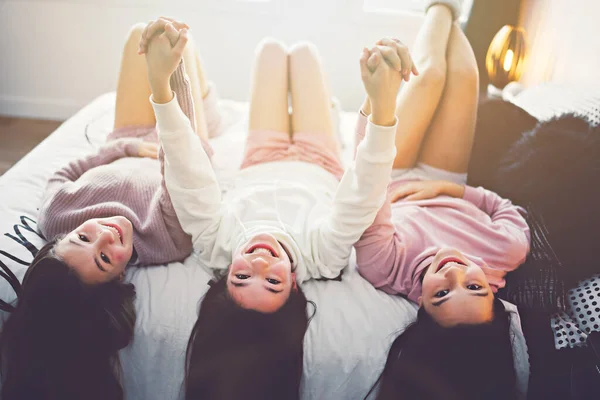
(564, 41)
(57, 55)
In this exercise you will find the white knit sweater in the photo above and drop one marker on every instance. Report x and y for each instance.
(315, 217)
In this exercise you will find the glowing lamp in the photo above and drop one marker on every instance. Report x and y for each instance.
(506, 56)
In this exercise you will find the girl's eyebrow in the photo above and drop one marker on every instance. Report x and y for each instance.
(95, 259)
(98, 265)
(478, 294)
(439, 303)
(237, 284)
(75, 243)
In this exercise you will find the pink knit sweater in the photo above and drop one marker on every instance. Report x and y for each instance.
(113, 181)
(405, 236)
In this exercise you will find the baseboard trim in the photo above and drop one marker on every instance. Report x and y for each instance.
(42, 108)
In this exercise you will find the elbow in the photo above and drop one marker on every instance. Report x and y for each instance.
(517, 251)
(372, 274)
(379, 278)
(373, 267)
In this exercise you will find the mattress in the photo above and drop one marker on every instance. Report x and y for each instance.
(346, 343)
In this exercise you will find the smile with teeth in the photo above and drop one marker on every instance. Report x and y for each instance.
(116, 231)
(447, 261)
(261, 249)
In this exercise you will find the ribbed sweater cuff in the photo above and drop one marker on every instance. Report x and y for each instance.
(473, 195)
(380, 140)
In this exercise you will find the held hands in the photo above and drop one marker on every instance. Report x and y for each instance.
(156, 27)
(396, 54)
(163, 42)
(424, 190)
(139, 148)
(383, 68)
(148, 150)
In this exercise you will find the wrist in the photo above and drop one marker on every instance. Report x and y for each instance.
(161, 92)
(132, 147)
(383, 114)
(454, 190)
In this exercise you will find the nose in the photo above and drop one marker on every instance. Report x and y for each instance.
(455, 273)
(260, 263)
(105, 237)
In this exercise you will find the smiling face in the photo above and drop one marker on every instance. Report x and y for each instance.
(456, 291)
(260, 277)
(99, 249)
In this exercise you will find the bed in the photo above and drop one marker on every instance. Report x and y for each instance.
(346, 343)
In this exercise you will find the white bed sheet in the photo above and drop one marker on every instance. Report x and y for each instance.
(346, 343)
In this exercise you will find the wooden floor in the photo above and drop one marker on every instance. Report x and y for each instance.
(19, 135)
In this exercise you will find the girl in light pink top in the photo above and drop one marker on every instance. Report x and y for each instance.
(437, 241)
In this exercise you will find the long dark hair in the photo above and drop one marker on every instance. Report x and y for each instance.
(62, 338)
(464, 362)
(554, 171)
(235, 353)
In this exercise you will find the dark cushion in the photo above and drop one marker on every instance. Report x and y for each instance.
(552, 169)
(499, 125)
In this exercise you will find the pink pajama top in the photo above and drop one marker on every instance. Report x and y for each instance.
(405, 236)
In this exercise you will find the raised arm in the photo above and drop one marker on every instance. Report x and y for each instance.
(380, 253)
(183, 92)
(188, 174)
(363, 187)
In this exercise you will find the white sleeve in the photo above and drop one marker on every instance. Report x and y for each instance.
(360, 195)
(189, 177)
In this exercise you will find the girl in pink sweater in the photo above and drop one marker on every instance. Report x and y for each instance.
(112, 208)
(438, 242)
(100, 213)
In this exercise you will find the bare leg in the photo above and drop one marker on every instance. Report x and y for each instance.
(269, 93)
(133, 107)
(311, 100)
(133, 89)
(450, 137)
(419, 98)
(198, 85)
(201, 76)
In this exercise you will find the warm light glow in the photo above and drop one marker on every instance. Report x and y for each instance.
(508, 60)
(506, 56)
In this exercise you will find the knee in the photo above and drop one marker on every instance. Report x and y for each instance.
(135, 32)
(303, 56)
(465, 75)
(271, 48)
(303, 50)
(432, 74)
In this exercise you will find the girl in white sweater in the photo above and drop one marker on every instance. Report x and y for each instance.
(292, 214)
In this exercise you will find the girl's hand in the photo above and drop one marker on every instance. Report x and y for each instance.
(398, 57)
(148, 150)
(424, 190)
(381, 84)
(165, 52)
(138, 148)
(155, 27)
